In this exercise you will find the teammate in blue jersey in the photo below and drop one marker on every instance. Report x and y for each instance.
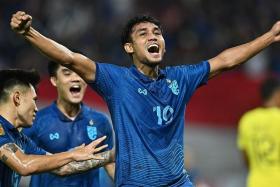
(68, 123)
(147, 104)
(18, 154)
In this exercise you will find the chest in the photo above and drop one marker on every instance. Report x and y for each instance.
(57, 136)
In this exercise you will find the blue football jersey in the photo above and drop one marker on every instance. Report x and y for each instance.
(9, 134)
(54, 132)
(148, 118)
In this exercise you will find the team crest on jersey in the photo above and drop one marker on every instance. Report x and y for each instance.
(2, 132)
(92, 132)
(173, 85)
(54, 136)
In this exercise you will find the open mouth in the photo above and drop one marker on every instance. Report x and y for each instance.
(154, 48)
(75, 89)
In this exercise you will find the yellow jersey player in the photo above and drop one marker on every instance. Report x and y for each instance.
(258, 138)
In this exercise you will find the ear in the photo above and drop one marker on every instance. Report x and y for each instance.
(16, 98)
(128, 48)
(53, 80)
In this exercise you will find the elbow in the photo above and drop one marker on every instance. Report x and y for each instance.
(25, 171)
(228, 63)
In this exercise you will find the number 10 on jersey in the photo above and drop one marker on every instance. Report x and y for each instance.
(164, 114)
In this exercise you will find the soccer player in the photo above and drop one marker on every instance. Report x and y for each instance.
(68, 123)
(147, 104)
(18, 154)
(258, 138)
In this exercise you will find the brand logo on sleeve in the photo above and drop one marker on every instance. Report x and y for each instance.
(54, 136)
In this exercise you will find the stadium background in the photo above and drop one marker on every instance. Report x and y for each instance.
(194, 30)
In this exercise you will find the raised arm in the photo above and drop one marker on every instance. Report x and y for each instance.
(237, 55)
(85, 67)
(25, 164)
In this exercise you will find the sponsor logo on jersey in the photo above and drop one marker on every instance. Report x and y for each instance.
(142, 91)
(54, 136)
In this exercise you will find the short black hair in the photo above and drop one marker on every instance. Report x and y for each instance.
(10, 78)
(52, 68)
(127, 30)
(268, 87)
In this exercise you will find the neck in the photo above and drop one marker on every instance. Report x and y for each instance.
(9, 113)
(148, 70)
(69, 109)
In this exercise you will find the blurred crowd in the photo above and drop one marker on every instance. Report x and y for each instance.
(194, 29)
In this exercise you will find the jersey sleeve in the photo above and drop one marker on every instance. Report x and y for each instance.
(196, 74)
(106, 78)
(190, 77)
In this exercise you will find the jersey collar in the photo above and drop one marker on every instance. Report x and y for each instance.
(6, 123)
(133, 69)
(62, 117)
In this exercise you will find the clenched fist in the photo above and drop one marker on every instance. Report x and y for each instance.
(21, 22)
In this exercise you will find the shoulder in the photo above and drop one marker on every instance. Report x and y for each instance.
(250, 116)
(109, 67)
(43, 116)
(253, 113)
(45, 111)
(94, 113)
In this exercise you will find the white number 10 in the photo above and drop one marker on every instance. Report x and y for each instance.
(165, 115)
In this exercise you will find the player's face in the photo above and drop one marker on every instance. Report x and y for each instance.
(148, 45)
(70, 86)
(27, 109)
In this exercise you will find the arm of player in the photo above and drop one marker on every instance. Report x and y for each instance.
(82, 166)
(237, 55)
(24, 164)
(21, 24)
(110, 169)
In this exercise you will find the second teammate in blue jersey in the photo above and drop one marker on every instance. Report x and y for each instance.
(147, 103)
(67, 123)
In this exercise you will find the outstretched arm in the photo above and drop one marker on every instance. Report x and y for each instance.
(21, 24)
(237, 55)
(82, 166)
(24, 164)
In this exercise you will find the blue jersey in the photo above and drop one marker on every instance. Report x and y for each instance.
(148, 118)
(9, 134)
(54, 132)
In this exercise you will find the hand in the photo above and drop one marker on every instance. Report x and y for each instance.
(21, 22)
(276, 31)
(83, 152)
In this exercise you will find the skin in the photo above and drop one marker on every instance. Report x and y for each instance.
(143, 35)
(20, 110)
(69, 103)
(145, 62)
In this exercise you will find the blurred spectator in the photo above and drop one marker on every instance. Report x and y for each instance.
(196, 29)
